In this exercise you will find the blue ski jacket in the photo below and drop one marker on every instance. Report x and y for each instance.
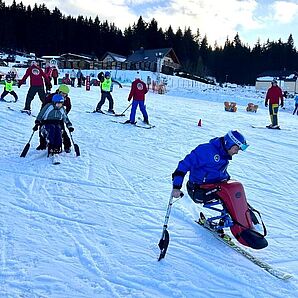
(207, 163)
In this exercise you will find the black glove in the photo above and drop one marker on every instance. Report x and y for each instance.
(19, 85)
(35, 127)
(282, 104)
(120, 86)
(71, 129)
(266, 104)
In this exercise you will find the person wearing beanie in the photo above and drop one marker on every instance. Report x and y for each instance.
(274, 98)
(137, 93)
(37, 81)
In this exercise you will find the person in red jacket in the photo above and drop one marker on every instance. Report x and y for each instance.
(137, 92)
(63, 90)
(274, 97)
(37, 80)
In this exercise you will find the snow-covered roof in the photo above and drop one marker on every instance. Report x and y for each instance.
(265, 79)
(50, 57)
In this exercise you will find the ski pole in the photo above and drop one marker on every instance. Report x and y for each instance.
(27, 146)
(76, 146)
(165, 237)
(126, 109)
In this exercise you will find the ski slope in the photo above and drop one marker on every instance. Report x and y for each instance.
(90, 226)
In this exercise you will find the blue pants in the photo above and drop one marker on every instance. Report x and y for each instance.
(53, 134)
(135, 104)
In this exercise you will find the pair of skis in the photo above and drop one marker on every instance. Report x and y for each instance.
(143, 125)
(107, 113)
(229, 242)
(8, 101)
(22, 111)
(112, 114)
(224, 238)
(265, 127)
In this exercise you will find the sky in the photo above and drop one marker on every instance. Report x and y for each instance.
(90, 226)
(217, 19)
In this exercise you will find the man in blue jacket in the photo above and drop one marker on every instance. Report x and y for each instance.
(207, 164)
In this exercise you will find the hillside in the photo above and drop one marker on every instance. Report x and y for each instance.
(90, 226)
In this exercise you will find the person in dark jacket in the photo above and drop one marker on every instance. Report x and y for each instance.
(106, 88)
(55, 74)
(206, 164)
(296, 105)
(274, 97)
(37, 80)
(80, 77)
(62, 90)
(137, 92)
(51, 118)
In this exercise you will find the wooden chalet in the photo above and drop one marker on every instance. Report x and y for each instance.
(69, 60)
(162, 60)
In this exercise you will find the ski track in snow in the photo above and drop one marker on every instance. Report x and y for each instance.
(90, 226)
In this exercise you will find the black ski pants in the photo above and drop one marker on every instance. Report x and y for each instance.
(31, 93)
(9, 92)
(296, 108)
(104, 95)
(199, 195)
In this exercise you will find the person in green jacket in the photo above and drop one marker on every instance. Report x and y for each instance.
(8, 89)
(106, 89)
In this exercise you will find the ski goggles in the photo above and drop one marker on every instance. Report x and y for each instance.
(243, 146)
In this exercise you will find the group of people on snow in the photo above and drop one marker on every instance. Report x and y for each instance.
(53, 116)
(76, 75)
(206, 164)
(40, 83)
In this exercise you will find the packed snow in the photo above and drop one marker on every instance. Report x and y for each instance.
(90, 226)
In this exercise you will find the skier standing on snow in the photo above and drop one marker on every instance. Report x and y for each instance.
(80, 77)
(207, 164)
(51, 118)
(296, 104)
(106, 89)
(8, 89)
(64, 91)
(73, 76)
(37, 80)
(137, 92)
(55, 74)
(274, 97)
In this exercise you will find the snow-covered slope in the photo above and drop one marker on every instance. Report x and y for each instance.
(90, 226)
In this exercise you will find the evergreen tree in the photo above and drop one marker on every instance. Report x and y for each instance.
(44, 32)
